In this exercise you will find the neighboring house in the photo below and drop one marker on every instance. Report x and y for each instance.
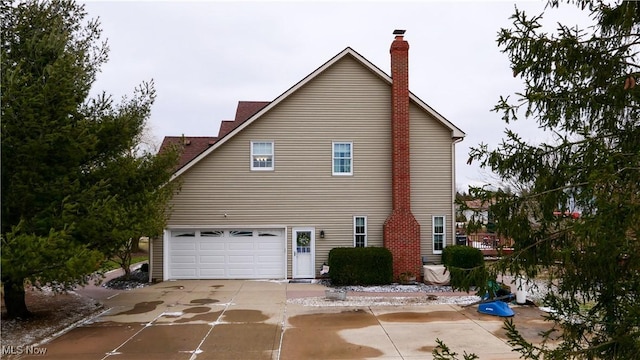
(346, 157)
(476, 210)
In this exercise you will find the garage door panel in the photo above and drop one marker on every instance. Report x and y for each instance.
(270, 233)
(246, 245)
(274, 246)
(183, 253)
(227, 254)
(212, 244)
(184, 259)
(212, 269)
(212, 273)
(212, 259)
(180, 244)
(240, 259)
(267, 259)
(183, 273)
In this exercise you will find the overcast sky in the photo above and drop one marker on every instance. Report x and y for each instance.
(206, 56)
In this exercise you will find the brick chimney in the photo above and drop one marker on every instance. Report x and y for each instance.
(401, 229)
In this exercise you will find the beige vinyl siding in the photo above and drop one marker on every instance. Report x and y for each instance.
(156, 259)
(345, 103)
(431, 178)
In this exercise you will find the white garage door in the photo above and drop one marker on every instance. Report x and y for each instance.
(226, 254)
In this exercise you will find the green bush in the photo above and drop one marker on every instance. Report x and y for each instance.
(360, 266)
(465, 265)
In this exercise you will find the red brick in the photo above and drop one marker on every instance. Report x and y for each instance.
(401, 229)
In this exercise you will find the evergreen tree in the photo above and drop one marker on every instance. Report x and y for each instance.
(579, 220)
(60, 192)
(141, 185)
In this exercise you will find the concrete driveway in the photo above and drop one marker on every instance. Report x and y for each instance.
(232, 319)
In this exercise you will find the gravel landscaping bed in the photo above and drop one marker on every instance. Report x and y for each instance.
(384, 300)
(137, 279)
(388, 295)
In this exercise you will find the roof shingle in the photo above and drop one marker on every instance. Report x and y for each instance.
(191, 146)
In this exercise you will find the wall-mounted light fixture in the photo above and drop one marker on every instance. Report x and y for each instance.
(322, 234)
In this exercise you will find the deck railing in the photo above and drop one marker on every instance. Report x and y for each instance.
(484, 241)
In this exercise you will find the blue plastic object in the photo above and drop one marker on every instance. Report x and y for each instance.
(497, 308)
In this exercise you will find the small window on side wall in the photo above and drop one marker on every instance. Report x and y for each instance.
(262, 155)
(342, 158)
(359, 231)
(439, 240)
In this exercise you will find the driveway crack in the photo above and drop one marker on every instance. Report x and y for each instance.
(198, 349)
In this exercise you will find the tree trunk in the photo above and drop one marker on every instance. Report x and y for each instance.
(135, 245)
(125, 263)
(14, 299)
(127, 270)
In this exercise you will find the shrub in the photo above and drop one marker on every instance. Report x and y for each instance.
(360, 266)
(465, 264)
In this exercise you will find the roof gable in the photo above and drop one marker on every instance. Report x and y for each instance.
(225, 127)
(245, 116)
(243, 113)
(247, 108)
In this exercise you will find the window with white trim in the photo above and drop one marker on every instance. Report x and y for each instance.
(262, 155)
(183, 233)
(212, 233)
(342, 158)
(439, 240)
(359, 231)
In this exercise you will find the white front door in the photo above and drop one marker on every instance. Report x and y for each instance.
(303, 245)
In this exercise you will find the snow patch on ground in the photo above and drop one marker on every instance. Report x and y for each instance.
(175, 313)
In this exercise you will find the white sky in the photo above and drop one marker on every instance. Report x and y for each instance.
(205, 56)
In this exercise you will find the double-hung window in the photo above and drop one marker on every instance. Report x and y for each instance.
(438, 234)
(342, 158)
(262, 155)
(359, 231)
